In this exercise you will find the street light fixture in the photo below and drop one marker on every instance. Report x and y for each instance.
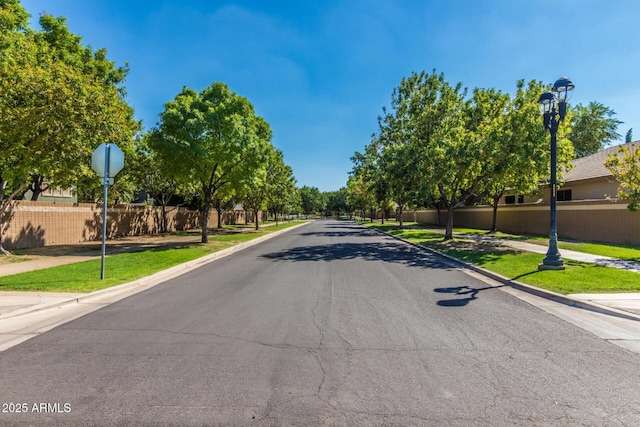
(553, 106)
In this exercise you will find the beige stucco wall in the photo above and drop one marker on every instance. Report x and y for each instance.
(598, 221)
(603, 188)
(593, 189)
(35, 224)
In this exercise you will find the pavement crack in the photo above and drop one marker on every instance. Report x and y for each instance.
(284, 346)
(322, 370)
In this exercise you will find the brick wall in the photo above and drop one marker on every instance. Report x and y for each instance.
(35, 224)
(597, 221)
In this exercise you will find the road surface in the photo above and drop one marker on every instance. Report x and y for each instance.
(330, 324)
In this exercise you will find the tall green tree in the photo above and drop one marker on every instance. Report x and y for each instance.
(295, 203)
(337, 201)
(521, 156)
(13, 17)
(359, 196)
(281, 184)
(397, 174)
(256, 192)
(159, 180)
(213, 138)
(593, 127)
(625, 167)
(311, 200)
(59, 165)
(368, 174)
(270, 187)
(56, 106)
(430, 115)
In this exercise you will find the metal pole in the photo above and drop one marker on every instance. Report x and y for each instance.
(104, 209)
(553, 261)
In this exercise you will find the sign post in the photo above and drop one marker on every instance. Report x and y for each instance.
(107, 160)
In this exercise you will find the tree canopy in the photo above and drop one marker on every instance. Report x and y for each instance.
(593, 127)
(212, 137)
(441, 145)
(58, 101)
(625, 167)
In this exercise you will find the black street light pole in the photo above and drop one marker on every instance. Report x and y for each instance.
(552, 117)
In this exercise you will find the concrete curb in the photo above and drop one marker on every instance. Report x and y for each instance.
(124, 290)
(585, 305)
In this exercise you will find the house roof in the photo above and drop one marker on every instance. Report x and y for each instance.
(593, 166)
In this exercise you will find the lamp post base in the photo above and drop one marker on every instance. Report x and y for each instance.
(552, 265)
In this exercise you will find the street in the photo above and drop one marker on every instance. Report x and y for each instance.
(329, 324)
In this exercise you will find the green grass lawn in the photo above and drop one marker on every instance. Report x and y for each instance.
(85, 276)
(125, 267)
(523, 266)
(625, 252)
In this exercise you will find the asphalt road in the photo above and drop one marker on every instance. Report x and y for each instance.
(330, 324)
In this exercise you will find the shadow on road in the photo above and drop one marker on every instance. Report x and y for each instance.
(469, 293)
(348, 226)
(386, 252)
(359, 232)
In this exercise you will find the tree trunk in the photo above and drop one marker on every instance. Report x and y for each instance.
(382, 216)
(492, 230)
(3, 251)
(400, 215)
(164, 223)
(36, 187)
(494, 220)
(448, 234)
(255, 212)
(219, 211)
(205, 217)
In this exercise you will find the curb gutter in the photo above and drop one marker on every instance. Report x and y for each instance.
(554, 296)
(118, 292)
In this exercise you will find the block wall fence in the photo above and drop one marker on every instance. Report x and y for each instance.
(34, 224)
(593, 221)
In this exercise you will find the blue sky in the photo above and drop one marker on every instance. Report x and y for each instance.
(320, 71)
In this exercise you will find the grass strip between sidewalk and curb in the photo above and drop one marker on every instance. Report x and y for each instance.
(622, 252)
(84, 277)
(522, 266)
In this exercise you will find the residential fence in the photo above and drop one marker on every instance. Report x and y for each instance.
(596, 221)
(33, 224)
